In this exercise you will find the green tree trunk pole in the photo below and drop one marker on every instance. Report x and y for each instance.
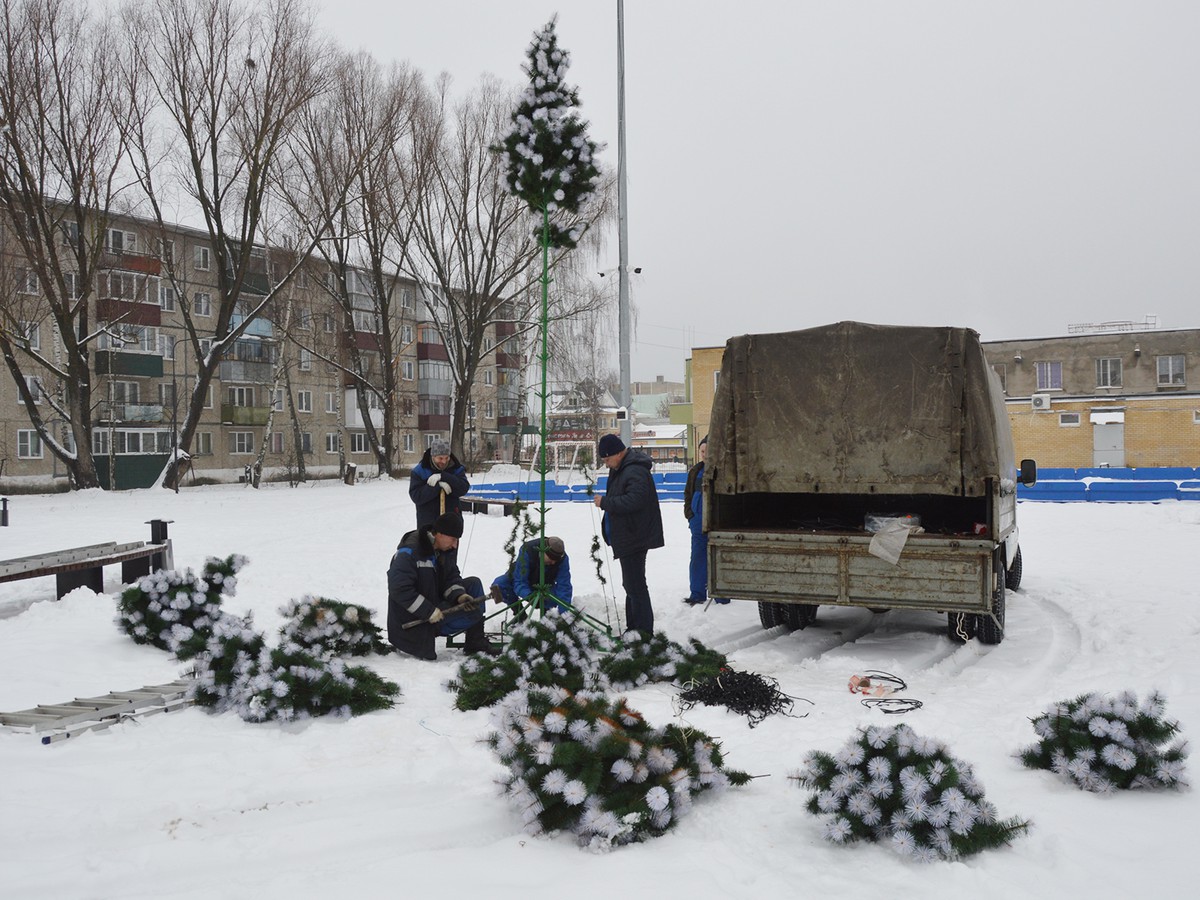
(543, 589)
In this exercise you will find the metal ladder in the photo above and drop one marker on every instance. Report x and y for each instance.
(59, 721)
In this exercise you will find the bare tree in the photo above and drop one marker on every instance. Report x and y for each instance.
(59, 162)
(346, 168)
(226, 83)
(474, 245)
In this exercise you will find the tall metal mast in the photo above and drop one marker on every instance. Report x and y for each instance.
(624, 320)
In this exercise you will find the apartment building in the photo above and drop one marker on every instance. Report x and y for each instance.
(283, 393)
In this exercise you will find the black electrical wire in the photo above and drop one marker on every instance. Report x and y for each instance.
(745, 693)
(892, 706)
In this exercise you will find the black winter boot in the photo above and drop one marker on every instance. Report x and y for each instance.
(476, 642)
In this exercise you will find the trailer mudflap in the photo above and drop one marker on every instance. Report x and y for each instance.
(935, 572)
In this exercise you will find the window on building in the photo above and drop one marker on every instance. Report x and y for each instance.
(1196, 416)
(330, 401)
(277, 400)
(406, 406)
(330, 323)
(70, 233)
(487, 377)
(1068, 419)
(35, 388)
(165, 250)
(358, 442)
(331, 442)
(364, 320)
(203, 443)
(305, 360)
(166, 395)
(489, 410)
(304, 401)
(71, 282)
(27, 281)
(201, 304)
(166, 346)
(32, 331)
(208, 397)
(304, 318)
(241, 396)
(1108, 372)
(276, 442)
(126, 392)
(29, 444)
(407, 370)
(409, 444)
(1171, 371)
(241, 442)
(100, 442)
(406, 334)
(1049, 376)
(166, 297)
(406, 298)
(201, 259)
(306, 442)
(118, 241)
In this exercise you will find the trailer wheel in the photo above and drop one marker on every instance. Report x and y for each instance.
(960, 627)
(990, 630)
(766, 614)
(797, 616)
(1012, 578)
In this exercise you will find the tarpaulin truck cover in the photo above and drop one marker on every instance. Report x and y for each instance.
(857, 408)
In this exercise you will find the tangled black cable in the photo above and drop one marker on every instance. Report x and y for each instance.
(892, 706)
(751, 695)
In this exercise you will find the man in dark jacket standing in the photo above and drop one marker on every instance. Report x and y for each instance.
(632, 524)
(436, 483)
(424, 585)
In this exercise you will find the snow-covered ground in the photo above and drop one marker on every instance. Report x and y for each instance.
(403, 802)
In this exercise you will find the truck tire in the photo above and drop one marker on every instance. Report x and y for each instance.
(766, 614)
(798, 616)
(1012, 578)
(960, 627)
(987, 629)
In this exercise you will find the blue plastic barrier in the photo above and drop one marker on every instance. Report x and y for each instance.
(1110, 491)
(1053, 491)
(1189, 490)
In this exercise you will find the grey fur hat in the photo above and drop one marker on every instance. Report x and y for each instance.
(439, 448)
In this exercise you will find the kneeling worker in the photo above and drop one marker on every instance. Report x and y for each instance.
(523, 575)
(425, 587)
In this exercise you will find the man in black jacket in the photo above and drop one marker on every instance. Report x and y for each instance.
(436, 483)
(424, 586)
(632, 524)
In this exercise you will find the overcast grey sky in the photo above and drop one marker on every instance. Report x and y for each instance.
(1013, 167)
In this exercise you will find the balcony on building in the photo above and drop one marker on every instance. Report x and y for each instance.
(244, 415)
(130, 262)
(131, 312)
(507, 360)
(238, 370)
(363, 340)
(354, 417)
(130, 413)
(123, 362)
(430, 344)
(260, 327)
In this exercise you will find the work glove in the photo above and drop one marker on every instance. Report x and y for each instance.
(445, 486)
(433, 479)
(436, 616)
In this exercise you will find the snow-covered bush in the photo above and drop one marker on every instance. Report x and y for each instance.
(239, 672)
(588, 764)
(175, 611)
(548, 651)
(1102, 744)
(656, 658)
(344, 629)
(891, 784)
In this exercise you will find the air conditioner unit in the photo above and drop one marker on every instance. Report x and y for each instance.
(1040, 401)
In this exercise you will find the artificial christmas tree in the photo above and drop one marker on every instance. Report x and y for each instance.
(1103, 744)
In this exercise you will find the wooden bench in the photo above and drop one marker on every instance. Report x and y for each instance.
(482, 505)
(84, 566)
